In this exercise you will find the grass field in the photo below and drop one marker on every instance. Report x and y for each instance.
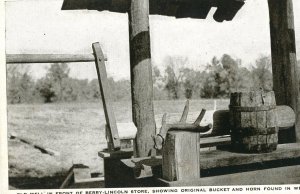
(75, 130)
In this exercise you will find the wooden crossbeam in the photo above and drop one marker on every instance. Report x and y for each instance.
(49, 58)
(106, 97)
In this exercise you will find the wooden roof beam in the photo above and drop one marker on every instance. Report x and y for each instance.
(226, 9)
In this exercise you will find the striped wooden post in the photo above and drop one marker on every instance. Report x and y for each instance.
(284, 62)
(141, 76)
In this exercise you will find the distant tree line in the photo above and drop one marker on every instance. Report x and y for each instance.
(219, 78)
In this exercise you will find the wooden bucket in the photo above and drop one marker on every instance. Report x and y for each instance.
(253, 121)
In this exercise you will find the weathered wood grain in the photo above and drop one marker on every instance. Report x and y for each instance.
(276, 176)
(49, 58)
(81, 172)
(284, 62)
(106, 98)
(222, 158)
(258, 121)
(180, 156)
(141, 76)
(218, 158)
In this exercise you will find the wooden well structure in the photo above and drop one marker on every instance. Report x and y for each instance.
(284, 67)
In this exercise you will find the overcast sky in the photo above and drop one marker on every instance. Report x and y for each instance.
(40, 26)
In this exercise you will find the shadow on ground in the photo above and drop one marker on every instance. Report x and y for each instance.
(53, 182)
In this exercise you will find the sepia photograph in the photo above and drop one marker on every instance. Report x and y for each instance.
(161, 96)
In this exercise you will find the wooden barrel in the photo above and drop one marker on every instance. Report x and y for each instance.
(253, 121)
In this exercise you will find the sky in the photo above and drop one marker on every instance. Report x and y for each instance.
(41, 27)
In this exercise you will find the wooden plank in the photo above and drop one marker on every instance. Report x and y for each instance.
(68, 179)
(143, 168)
(278, 176)
(141, 76)
(215, 141)
(81, 173)
(88, 180)
(220, 158)
(123, 153)
(181, 156)
(106, 96)
(79, 176)
(140, 171)
(285, 116)
(49, 58)
(127, 130)
(110, 145)
(204, 143)
(284, 62)
(127, 133)
(114, 173)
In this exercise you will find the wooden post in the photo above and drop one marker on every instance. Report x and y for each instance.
(141, 76)
(284, 62)
(180, 156)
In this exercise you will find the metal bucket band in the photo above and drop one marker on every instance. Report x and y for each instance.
(254, 131)
(251, 109)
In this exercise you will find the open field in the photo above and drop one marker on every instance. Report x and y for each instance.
(75, 130)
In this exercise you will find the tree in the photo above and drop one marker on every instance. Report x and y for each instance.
(46, 90)
(58, 73)
(261, 74)
(224, 77)
(156, 76)
(212, 79)
(229, 75)
(191, 82)
(121, 89)
(159, 92)
(75, 89)
(94, 90)
(52, 86)
(20, 85)
(173, 75)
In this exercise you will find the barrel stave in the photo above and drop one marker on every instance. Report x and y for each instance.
(254, 121)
